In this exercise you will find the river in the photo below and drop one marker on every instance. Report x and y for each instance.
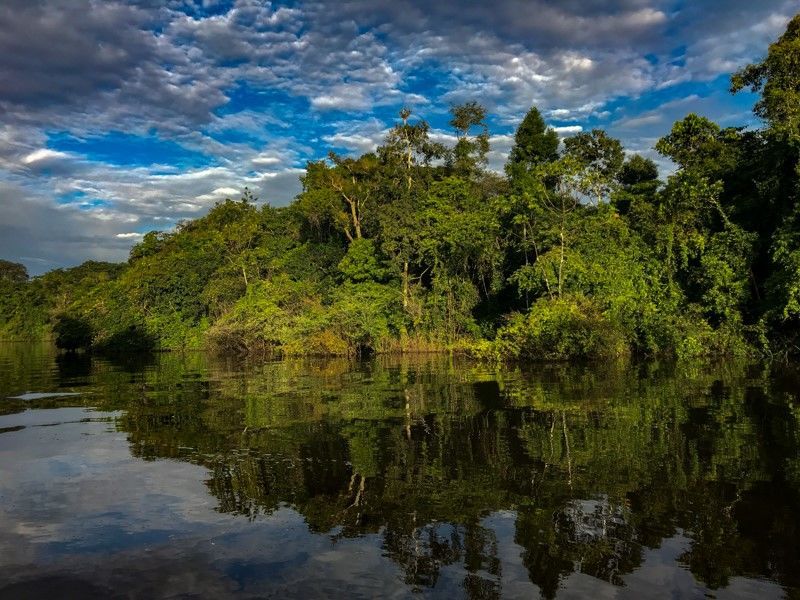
(185, 475)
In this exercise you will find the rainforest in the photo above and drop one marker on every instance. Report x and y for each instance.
(578, 250)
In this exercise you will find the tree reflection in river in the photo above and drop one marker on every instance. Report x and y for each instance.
(595, 466)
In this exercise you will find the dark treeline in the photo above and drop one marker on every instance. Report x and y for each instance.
(577, 250)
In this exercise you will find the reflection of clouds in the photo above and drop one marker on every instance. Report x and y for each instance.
(149, 528)
(591, 520)
(662, 576)
(79, 476)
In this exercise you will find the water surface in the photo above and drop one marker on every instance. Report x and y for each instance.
(189, 476)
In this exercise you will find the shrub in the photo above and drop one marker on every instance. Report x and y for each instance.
(72, 333)
(561, 329)
(134, 339)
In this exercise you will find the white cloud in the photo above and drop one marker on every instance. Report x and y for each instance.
(645, 17)
(341, 98)
(211, 172)
(263, 160)
(567, 130)
(43, 154)
(216, 194)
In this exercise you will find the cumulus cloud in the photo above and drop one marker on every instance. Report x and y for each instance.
(535, 22)
(568, 130)
(43, 154)
(357, 137)
(71, 62)
(740, 32)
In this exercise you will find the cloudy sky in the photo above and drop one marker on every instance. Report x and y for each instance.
(118, 117)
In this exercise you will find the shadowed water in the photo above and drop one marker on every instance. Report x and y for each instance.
(188, 476)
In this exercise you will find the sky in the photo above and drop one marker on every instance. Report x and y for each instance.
(120, 117)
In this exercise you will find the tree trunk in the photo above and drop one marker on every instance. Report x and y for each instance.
(561, 264)
(405, 285)
(525, 247)
(354, 215)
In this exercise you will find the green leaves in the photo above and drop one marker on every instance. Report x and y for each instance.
(72, 333)
(468, 156)
(12, 273)
(562, 329)
(691, 141)
(596, 152)
(777, 78)
(361, 263)
(534, 144)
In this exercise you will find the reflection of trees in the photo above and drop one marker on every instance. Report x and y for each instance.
(597, 465)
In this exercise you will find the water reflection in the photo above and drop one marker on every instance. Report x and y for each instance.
(430, 475)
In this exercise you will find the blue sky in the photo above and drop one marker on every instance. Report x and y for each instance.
(121, 117)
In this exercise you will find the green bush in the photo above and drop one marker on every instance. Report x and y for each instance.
(561, 329)
(287, 317)
(72, 333)
(361, 263)
(134, 339)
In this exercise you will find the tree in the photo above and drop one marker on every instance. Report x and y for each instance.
(708, 256)
(548, 197)
(341, 193)
(469, 154)
(638, 180)
(405, 155)
(361, 263)
(408, 149)
(152, 243)
(11, 272)
(354, 180)
(777, 174)
(695, 143)
(534, 143)
(595, 161)
(72, 333)
(637, 170)
(777, 78)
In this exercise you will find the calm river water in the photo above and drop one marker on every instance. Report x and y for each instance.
(189, 476)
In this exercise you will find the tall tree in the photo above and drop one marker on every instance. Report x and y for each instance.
(405, 155)
(469, 154)
(777, 77)
(342, 192)
(534, 143)
(638, 179)
(595, 159)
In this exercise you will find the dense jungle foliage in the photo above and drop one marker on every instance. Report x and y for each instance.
(578, 250)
